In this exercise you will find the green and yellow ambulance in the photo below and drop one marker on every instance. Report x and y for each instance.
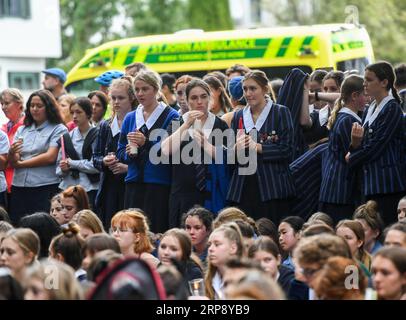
(194, 52)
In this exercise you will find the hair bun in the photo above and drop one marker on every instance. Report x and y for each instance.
(72, 229)
(371, 206)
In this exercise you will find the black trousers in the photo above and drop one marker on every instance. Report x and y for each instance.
(180, 203)
(28, 200)
(251, 203)
(153, 199)
(387, 205)
(337, 212)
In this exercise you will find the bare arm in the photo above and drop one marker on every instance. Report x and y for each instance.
(3, 161)
(326, 96)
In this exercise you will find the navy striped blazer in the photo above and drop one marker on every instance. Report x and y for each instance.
(381, 154)
(306, 172)
(103, 141)
(338, 182)
(274, 178)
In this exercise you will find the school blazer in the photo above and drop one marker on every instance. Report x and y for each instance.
(381, 155)
(274, 177)
(338, 181)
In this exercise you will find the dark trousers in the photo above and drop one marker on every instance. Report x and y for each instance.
(387, 205)
(251, 203)
(180, 204)
(153, 199)
(28, 200)
(337, 212)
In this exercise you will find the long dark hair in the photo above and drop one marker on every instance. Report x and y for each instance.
(51, 108)
(384, 70)
(217, 85)
(102, 97)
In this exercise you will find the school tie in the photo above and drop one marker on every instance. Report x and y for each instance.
(200, 176)
(144, 129)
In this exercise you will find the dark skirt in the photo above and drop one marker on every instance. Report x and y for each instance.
(3, 200)
(337, 212)
(153, 199)
(28, 200)
(111, 199)
(387, 205)
(253, 206)
(180, 203)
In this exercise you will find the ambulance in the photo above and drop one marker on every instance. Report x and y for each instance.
(195, 52)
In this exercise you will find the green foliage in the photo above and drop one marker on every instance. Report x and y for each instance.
(84, 21)
(154, 16)
(210, 15)
(384, 20)
(80, 21)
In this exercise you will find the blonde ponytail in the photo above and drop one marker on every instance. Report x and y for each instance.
(338, 105)
(351, 84)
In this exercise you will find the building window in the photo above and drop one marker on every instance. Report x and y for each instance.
(24, 80)
(15, 9)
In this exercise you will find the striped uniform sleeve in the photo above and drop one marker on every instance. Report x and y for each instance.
(375, 146)
(100, 146)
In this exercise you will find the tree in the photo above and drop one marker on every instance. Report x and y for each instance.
(154, 16)
(80, 21)
(384, 20)
(210, 15)
(84, 21)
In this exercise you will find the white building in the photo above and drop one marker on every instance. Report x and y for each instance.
(29, 33)
(250, 14)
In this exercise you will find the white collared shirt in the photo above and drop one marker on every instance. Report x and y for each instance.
(249, 121)
(323, 115)
(207, 127)
(370, 118)
(139, 117)
(218, 286)
(115, 128)
(350, 112)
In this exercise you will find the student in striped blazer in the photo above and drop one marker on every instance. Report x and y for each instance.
(377, 146)
(268, 190)
(338, 192)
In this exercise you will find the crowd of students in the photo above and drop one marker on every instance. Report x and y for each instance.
(264, 189)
